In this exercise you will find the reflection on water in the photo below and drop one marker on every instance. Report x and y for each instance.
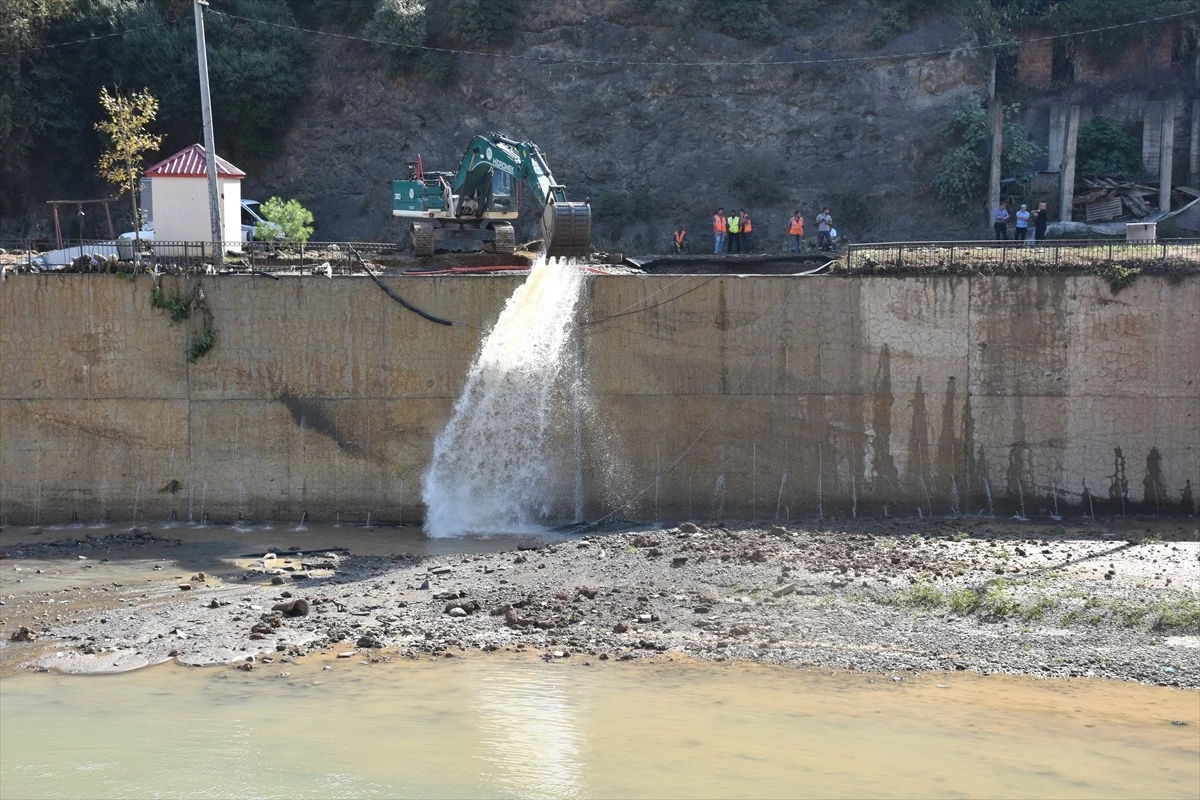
(495, 727)
(529, 730)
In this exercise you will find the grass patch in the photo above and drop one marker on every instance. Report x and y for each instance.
(964, 601)
(997, 603)
(1178, 615)
(1038, 608)
(923, 595)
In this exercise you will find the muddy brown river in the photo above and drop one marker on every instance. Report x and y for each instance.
(508, 726)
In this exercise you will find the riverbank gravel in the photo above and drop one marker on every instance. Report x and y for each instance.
(1112, 601)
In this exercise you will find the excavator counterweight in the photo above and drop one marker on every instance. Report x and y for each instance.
(473, 208)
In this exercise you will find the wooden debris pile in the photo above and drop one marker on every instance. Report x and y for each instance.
(1104, 199)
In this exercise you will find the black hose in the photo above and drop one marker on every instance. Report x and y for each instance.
(397, 297)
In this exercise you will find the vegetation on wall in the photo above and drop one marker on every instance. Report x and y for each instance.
(962, 177)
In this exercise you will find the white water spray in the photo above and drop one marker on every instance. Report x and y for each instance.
(499, 465)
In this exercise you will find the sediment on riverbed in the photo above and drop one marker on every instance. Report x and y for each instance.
(1115, 600)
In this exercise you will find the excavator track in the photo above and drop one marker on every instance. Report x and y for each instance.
(422, 239)
(567, 228)
(506, 239)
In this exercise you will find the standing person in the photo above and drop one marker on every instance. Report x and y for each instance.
(735, 232)
(824, 226)
(719, 228)
(747, 229)
(681, 240)
(1000, 222)
(1039, 222)
(1022, 226)
(796, 231)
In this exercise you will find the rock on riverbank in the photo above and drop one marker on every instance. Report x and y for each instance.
(965, 595)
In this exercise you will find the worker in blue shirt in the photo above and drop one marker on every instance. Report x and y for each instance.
(1022, 226)
(1001, 222)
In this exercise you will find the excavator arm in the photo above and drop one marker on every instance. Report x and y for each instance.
(566, 226)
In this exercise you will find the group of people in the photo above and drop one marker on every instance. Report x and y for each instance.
(735, 232)
(735, 229)
(1022, 221)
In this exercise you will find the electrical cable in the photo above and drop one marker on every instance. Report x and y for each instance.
(780, 63)
(626, 311)
(92, 38)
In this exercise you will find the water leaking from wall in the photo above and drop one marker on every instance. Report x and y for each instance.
(500, 464)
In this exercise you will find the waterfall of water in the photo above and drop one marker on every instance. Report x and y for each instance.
(496, 466)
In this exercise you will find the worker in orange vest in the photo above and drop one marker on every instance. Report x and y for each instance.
(719, 229)
(680, 240)
(796, 231)
(747, 229)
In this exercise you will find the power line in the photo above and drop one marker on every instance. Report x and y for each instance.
(93, 38)
(626, 63)
(617, 63)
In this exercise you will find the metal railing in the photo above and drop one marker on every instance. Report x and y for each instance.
(1014, 256)
(189, 256)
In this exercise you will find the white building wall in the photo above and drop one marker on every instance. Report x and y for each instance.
(180, 210)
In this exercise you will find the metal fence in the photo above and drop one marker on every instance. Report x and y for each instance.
(1015, 256)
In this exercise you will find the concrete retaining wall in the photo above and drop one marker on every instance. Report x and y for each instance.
(771, 396)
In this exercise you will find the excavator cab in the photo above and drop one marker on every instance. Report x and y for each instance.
(474, 207)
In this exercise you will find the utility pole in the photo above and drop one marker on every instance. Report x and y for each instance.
(210, 147)
(996, 109)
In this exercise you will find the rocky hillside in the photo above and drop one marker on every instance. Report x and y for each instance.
(652, 146)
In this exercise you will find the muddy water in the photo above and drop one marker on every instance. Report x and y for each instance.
(215, 549)
(497, 727)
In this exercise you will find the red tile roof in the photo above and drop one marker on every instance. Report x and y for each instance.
(189, 163)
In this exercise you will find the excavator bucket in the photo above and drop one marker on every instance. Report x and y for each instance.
(567, 228)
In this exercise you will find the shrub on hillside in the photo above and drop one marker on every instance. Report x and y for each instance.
(1105, 149)
(347, 15)
(962, 179)
(398, 29)
(484, 23)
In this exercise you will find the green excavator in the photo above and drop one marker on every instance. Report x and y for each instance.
(473, 208)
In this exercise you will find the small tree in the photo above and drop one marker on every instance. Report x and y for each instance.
(967, 139)
(125, 127)
(290, 219)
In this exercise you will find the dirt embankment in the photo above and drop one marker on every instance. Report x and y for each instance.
(1116, 601)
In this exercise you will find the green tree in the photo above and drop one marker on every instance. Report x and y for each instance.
(126, 118)
(962, 178)
(293, 219)
(347, 15)
(398, 28)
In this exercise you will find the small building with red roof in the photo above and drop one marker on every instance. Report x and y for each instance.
(179, 199)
